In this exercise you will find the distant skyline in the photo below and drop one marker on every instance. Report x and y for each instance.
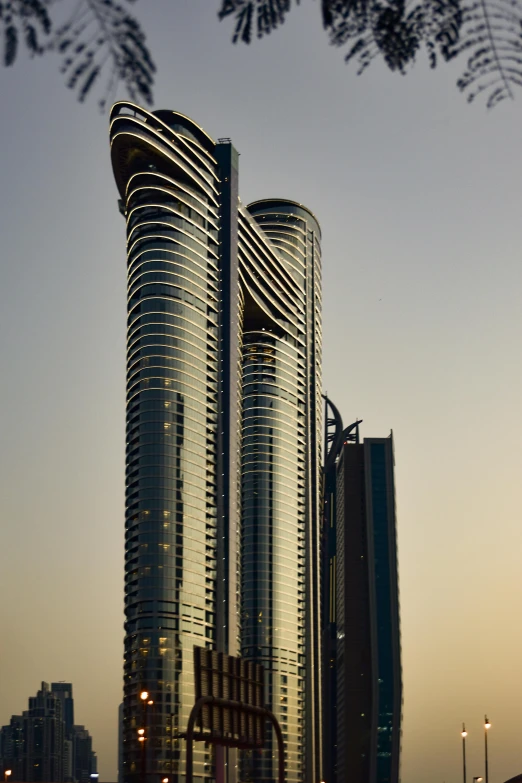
(418, 196)
(41, 742)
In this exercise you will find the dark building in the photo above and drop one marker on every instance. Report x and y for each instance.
(43, 744)
(12, 748)
(85, 763)
(44, 731)
(224, 430)
(361, 630)
(63, 691)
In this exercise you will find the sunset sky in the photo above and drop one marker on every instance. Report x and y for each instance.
(419, 199)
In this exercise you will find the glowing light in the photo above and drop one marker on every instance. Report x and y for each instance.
(487, 724)
(141, 731)
(141, 739)
(150, 701)
(463, 733)
(144, 695)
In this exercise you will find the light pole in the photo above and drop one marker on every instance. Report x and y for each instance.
(487, 725)
(464, 734)
(7, 774)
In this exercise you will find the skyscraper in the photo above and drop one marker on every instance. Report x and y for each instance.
(43, 738)
(63, 691)
(223, 441)
(361, 624)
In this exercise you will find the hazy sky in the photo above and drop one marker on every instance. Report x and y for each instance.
(418, 195)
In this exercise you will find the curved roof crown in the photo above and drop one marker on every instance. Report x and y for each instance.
(183, 125)
(272, 204)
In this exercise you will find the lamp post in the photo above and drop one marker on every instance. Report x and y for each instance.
(464, 734)
(487, 725)
(7, 774)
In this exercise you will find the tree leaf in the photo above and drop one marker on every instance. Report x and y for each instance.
(10, 45)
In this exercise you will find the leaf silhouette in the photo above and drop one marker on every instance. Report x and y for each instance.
(100, 36)
(24, 20)
(11, 45)
(487, 32)
(268, 15)
(492, 39)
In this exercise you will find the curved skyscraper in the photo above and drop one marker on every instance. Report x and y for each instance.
(223, 444)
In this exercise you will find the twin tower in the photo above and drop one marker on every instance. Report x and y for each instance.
(224, 442)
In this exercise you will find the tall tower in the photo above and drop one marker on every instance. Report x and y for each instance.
(223, 442)
(361, 630)
(281, 478)
(43, 738)
(64, 692)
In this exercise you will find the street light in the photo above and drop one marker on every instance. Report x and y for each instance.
(478, 780)
(7, 774)
(487, 725)
(144, 695)
(464, 734)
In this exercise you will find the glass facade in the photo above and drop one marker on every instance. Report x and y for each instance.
(223, 439)
(294, 232)
(274, 540)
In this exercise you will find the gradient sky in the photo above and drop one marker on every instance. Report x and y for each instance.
(419, 196)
